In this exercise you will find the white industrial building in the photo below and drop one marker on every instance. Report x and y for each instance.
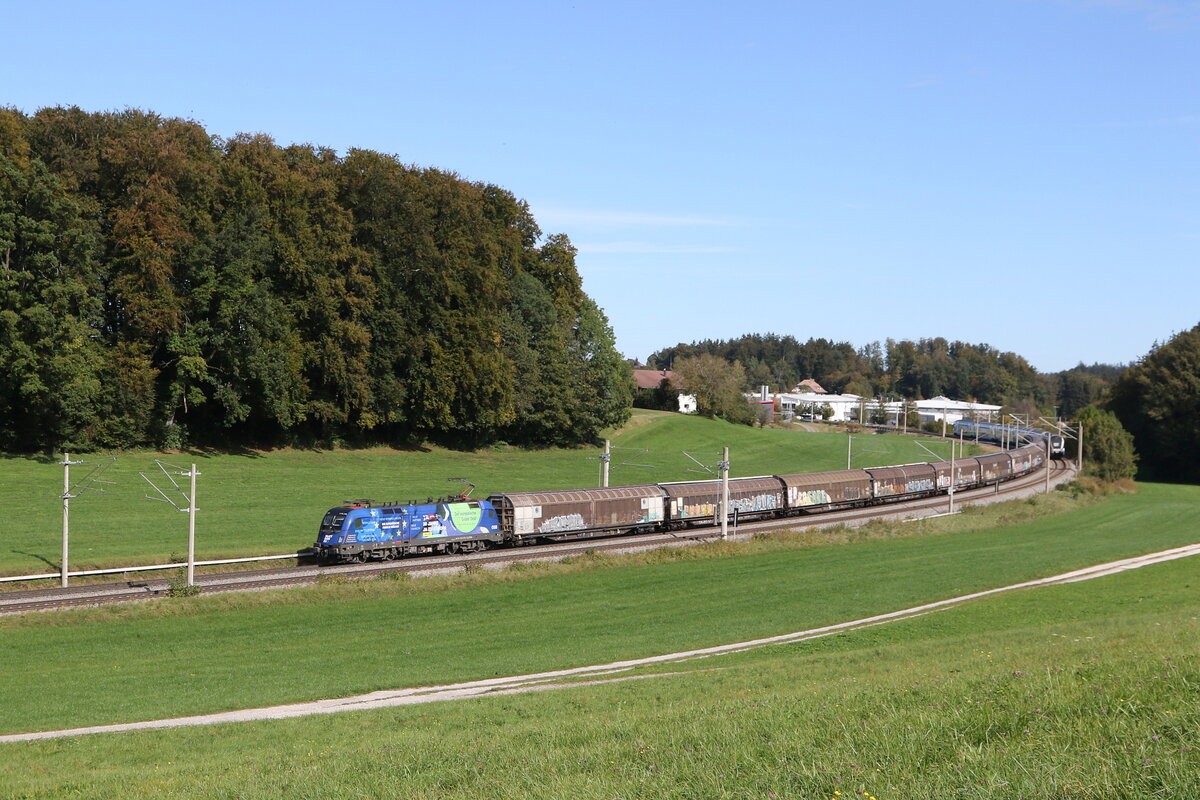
(938, 409)
(847, 408)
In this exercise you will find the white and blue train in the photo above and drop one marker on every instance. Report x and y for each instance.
(1010, 435)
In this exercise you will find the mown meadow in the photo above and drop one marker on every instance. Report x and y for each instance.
(267, 503)
(1080, 690)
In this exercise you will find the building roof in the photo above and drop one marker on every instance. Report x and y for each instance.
(940, 403)
(652, 378)
(809, 385)
(812, 397)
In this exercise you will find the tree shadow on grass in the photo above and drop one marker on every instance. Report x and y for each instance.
(39, 458)
(39, 557)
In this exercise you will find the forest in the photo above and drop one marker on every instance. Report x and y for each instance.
(161, 286)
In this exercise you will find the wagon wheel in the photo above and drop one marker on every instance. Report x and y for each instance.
(453, 548)
(387, 555)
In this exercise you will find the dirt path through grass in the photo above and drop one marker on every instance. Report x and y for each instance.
(602, 673)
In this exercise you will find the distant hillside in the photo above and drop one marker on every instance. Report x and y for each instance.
(921, 369)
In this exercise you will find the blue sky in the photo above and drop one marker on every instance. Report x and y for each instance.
(1023, 173)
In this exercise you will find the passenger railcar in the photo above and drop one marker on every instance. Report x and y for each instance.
(1010, 435)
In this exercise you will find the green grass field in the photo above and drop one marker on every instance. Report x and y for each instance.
(266, 648)
(1084, 690)
(270, 503)
(1094, 697)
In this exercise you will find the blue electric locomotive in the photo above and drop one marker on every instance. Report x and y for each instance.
(362, 530)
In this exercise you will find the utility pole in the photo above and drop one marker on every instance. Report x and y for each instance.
(1079, 455)
(191, 566)
(953, 477)
(189, 496)
(724, 467)
(849, 447)
(1047, 464)
(66, 498)
(90, 481)
(604, 462)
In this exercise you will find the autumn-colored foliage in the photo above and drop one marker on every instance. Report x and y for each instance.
(161, 286)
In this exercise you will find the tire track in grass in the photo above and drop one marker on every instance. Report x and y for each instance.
(591, 675)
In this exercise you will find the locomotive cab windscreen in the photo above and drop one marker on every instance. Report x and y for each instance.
(332, 523)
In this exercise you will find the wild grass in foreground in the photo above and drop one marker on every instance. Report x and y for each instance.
(1095, 696)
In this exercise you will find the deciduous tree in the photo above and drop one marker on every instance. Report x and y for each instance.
(717, 385)
(1158, 401)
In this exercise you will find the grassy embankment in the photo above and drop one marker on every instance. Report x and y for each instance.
(271, 502)
(1082, 690)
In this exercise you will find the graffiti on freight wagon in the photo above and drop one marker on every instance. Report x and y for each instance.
(565, 522)
(813, 497)
(740, 505)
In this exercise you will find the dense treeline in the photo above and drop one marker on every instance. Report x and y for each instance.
(159, 285)
(1158, 402)
(905, 369)
(926, 368)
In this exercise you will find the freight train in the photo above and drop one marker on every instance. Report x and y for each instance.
(363, 530)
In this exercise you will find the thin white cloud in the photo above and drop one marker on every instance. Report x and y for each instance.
(651, 248)
(577, 216)
(1158, 14)
(1181, 121)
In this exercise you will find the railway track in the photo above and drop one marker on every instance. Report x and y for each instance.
(22, 601)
